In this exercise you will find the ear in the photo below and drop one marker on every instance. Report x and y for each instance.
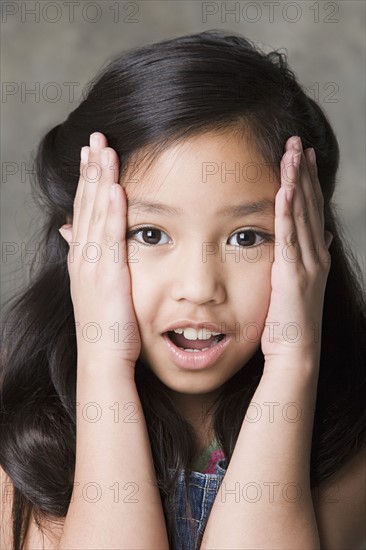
(66, 232)
(328, 237)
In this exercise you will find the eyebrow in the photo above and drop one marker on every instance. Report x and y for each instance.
(265, 206)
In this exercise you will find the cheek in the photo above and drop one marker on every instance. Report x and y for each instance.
(252, 291)
(144, 290)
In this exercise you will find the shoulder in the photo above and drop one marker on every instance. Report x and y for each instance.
(43, 537)
(340, 506)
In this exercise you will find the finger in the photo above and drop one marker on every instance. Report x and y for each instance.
(114, 252)
(286, 250)
(92, 176)
(84, 155)
(316, 208)
(109, 176)
(313, 171)
(310, 195)
(290, 176)
(312, 207)
(305, 210)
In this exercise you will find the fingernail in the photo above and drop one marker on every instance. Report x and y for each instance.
(297, 144)
(84, 154)
(94, 141)
(312, 155)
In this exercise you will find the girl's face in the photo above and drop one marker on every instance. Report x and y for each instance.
(200, 263)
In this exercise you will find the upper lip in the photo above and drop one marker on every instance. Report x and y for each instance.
(184, 323)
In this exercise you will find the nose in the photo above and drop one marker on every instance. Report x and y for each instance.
(198, 279)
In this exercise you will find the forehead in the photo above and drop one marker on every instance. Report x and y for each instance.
(207, 167)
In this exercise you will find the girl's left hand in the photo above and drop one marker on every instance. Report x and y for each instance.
(301, 263)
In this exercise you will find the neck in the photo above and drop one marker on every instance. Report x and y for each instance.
(194, 408)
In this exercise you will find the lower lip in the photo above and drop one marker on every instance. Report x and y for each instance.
(195, 360)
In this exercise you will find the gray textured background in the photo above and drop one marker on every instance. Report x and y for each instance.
(325, 42)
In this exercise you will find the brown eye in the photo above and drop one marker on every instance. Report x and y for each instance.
(247, 238)
(150, 235)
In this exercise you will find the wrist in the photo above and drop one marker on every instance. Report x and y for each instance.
(104, 365)
(297, 363)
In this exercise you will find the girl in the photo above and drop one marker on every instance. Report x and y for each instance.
(187, 367)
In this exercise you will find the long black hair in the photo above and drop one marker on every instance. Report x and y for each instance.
(145, 100)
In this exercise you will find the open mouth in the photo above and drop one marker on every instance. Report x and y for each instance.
(193, 345)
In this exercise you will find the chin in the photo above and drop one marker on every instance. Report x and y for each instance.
(194, 384)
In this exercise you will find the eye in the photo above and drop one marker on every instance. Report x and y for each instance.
(152, 234)
(246, 238)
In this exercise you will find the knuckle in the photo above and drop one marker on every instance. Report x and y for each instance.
(108, 239)
(93, 173)
(85, 201)
(303, 216)
(314, 202)
(312, 172)
(96, 216)
(291, 238)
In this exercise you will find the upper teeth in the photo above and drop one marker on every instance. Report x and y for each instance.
(193, 334)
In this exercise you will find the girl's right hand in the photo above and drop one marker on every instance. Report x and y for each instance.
(100, 284)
